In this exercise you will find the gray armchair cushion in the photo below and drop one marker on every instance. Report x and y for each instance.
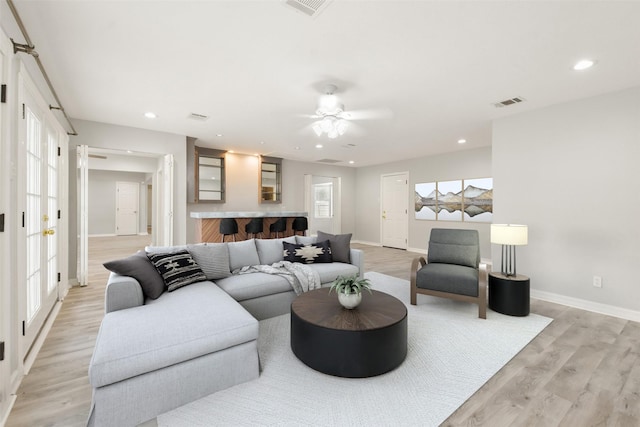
(464, 255)
(452, 246)
(450, 278)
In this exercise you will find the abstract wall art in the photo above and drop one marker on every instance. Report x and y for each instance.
(458, 200)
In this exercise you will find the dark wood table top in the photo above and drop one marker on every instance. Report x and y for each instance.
(321, 308)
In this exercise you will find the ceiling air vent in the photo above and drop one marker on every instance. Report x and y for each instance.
(508, 102)
(330, 161)
(308, 7)
(348, 145)
(200, 117)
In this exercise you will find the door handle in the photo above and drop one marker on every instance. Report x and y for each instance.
(48, 232)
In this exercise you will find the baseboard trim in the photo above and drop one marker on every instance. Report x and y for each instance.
(364, 242)
(42, 336)
(102, 235)
(11, 399)
(582, 304)
(421, 251)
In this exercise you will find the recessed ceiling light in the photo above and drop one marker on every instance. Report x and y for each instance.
(351, 162)
(462, 141)
(150, 115)
(297, 148)
(584, 64)
(219, 135)
(231, 151)
(318, 145)
(261, 142)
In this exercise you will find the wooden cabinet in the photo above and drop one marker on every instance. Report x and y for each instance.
(270, 185)
(205, 174)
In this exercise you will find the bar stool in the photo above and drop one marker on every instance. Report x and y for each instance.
(280, 226)
(228, 226)
(300, 223)
(255, 227)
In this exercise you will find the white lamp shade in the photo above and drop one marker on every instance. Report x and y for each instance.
(509, 234)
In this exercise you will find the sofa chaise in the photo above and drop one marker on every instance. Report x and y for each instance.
(155, 352)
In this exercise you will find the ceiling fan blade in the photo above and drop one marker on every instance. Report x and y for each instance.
(369, 114)
(308, 116)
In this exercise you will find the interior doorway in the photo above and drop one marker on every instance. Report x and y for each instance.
(139, 207)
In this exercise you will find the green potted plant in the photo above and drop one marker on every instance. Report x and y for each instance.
(349, 290)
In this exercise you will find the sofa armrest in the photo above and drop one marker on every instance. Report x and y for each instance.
(357, 259)
(122, 292)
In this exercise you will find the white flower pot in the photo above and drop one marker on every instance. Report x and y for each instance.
(349, 301)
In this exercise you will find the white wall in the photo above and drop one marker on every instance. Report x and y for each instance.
(570, 173)
(102, 200)
(464, 164)
(242, 189)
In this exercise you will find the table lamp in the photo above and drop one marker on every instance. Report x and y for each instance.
(509, 236)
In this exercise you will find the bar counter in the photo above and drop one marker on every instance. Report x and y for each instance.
(208, 223)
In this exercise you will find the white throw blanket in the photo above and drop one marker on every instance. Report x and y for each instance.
(301, 277)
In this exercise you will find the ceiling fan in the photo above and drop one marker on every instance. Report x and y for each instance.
(332, 117)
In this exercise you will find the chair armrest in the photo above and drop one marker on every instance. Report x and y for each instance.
(122, 292)
(357, 259)
(416, 265)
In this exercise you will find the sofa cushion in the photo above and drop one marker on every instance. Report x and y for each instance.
(140, 268)
(270, 250)
(330, 272)
(242, 254)
(192, 321)
(213, 259)
(340, 245)
(306, 240)
(253, 285)
(307, 254)
(177, 269)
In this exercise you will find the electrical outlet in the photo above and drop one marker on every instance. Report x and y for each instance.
(597, 281)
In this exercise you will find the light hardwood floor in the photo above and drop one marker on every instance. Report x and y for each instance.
(582, 370)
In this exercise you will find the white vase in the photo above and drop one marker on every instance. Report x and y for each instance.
(349, 301)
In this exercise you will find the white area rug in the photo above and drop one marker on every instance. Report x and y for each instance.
(451, 354)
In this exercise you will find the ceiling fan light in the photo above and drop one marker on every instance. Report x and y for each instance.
(327, 103)
(317, 128)
(327, 124)
(341, 126)
(333, 134)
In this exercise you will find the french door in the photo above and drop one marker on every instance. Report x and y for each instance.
(39, 142)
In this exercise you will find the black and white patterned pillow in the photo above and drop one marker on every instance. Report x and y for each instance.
(308, 254)
(177, 269)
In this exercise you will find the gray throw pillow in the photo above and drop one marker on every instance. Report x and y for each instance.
(270, 250)
(140, 268)
(178, 269)
(242, 254)
(307, 254)
(213, 259)
(340, 246)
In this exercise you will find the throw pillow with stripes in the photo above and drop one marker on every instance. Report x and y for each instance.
(177, 269)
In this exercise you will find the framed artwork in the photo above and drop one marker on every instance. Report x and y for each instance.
(478, 200)
(449, 203)
(459, 200)
(425, 204)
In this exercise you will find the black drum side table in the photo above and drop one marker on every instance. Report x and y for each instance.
(509, 295)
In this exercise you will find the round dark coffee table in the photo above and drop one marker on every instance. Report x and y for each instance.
(366, 341)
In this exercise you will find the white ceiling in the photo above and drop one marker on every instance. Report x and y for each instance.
(256, 67)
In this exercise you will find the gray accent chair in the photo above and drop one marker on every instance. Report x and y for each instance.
(453, 269)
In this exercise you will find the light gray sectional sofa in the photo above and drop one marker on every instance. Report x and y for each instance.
(153, 355)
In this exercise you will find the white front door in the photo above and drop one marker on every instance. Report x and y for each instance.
(39, 157)
(395, 205)
(127, 208)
